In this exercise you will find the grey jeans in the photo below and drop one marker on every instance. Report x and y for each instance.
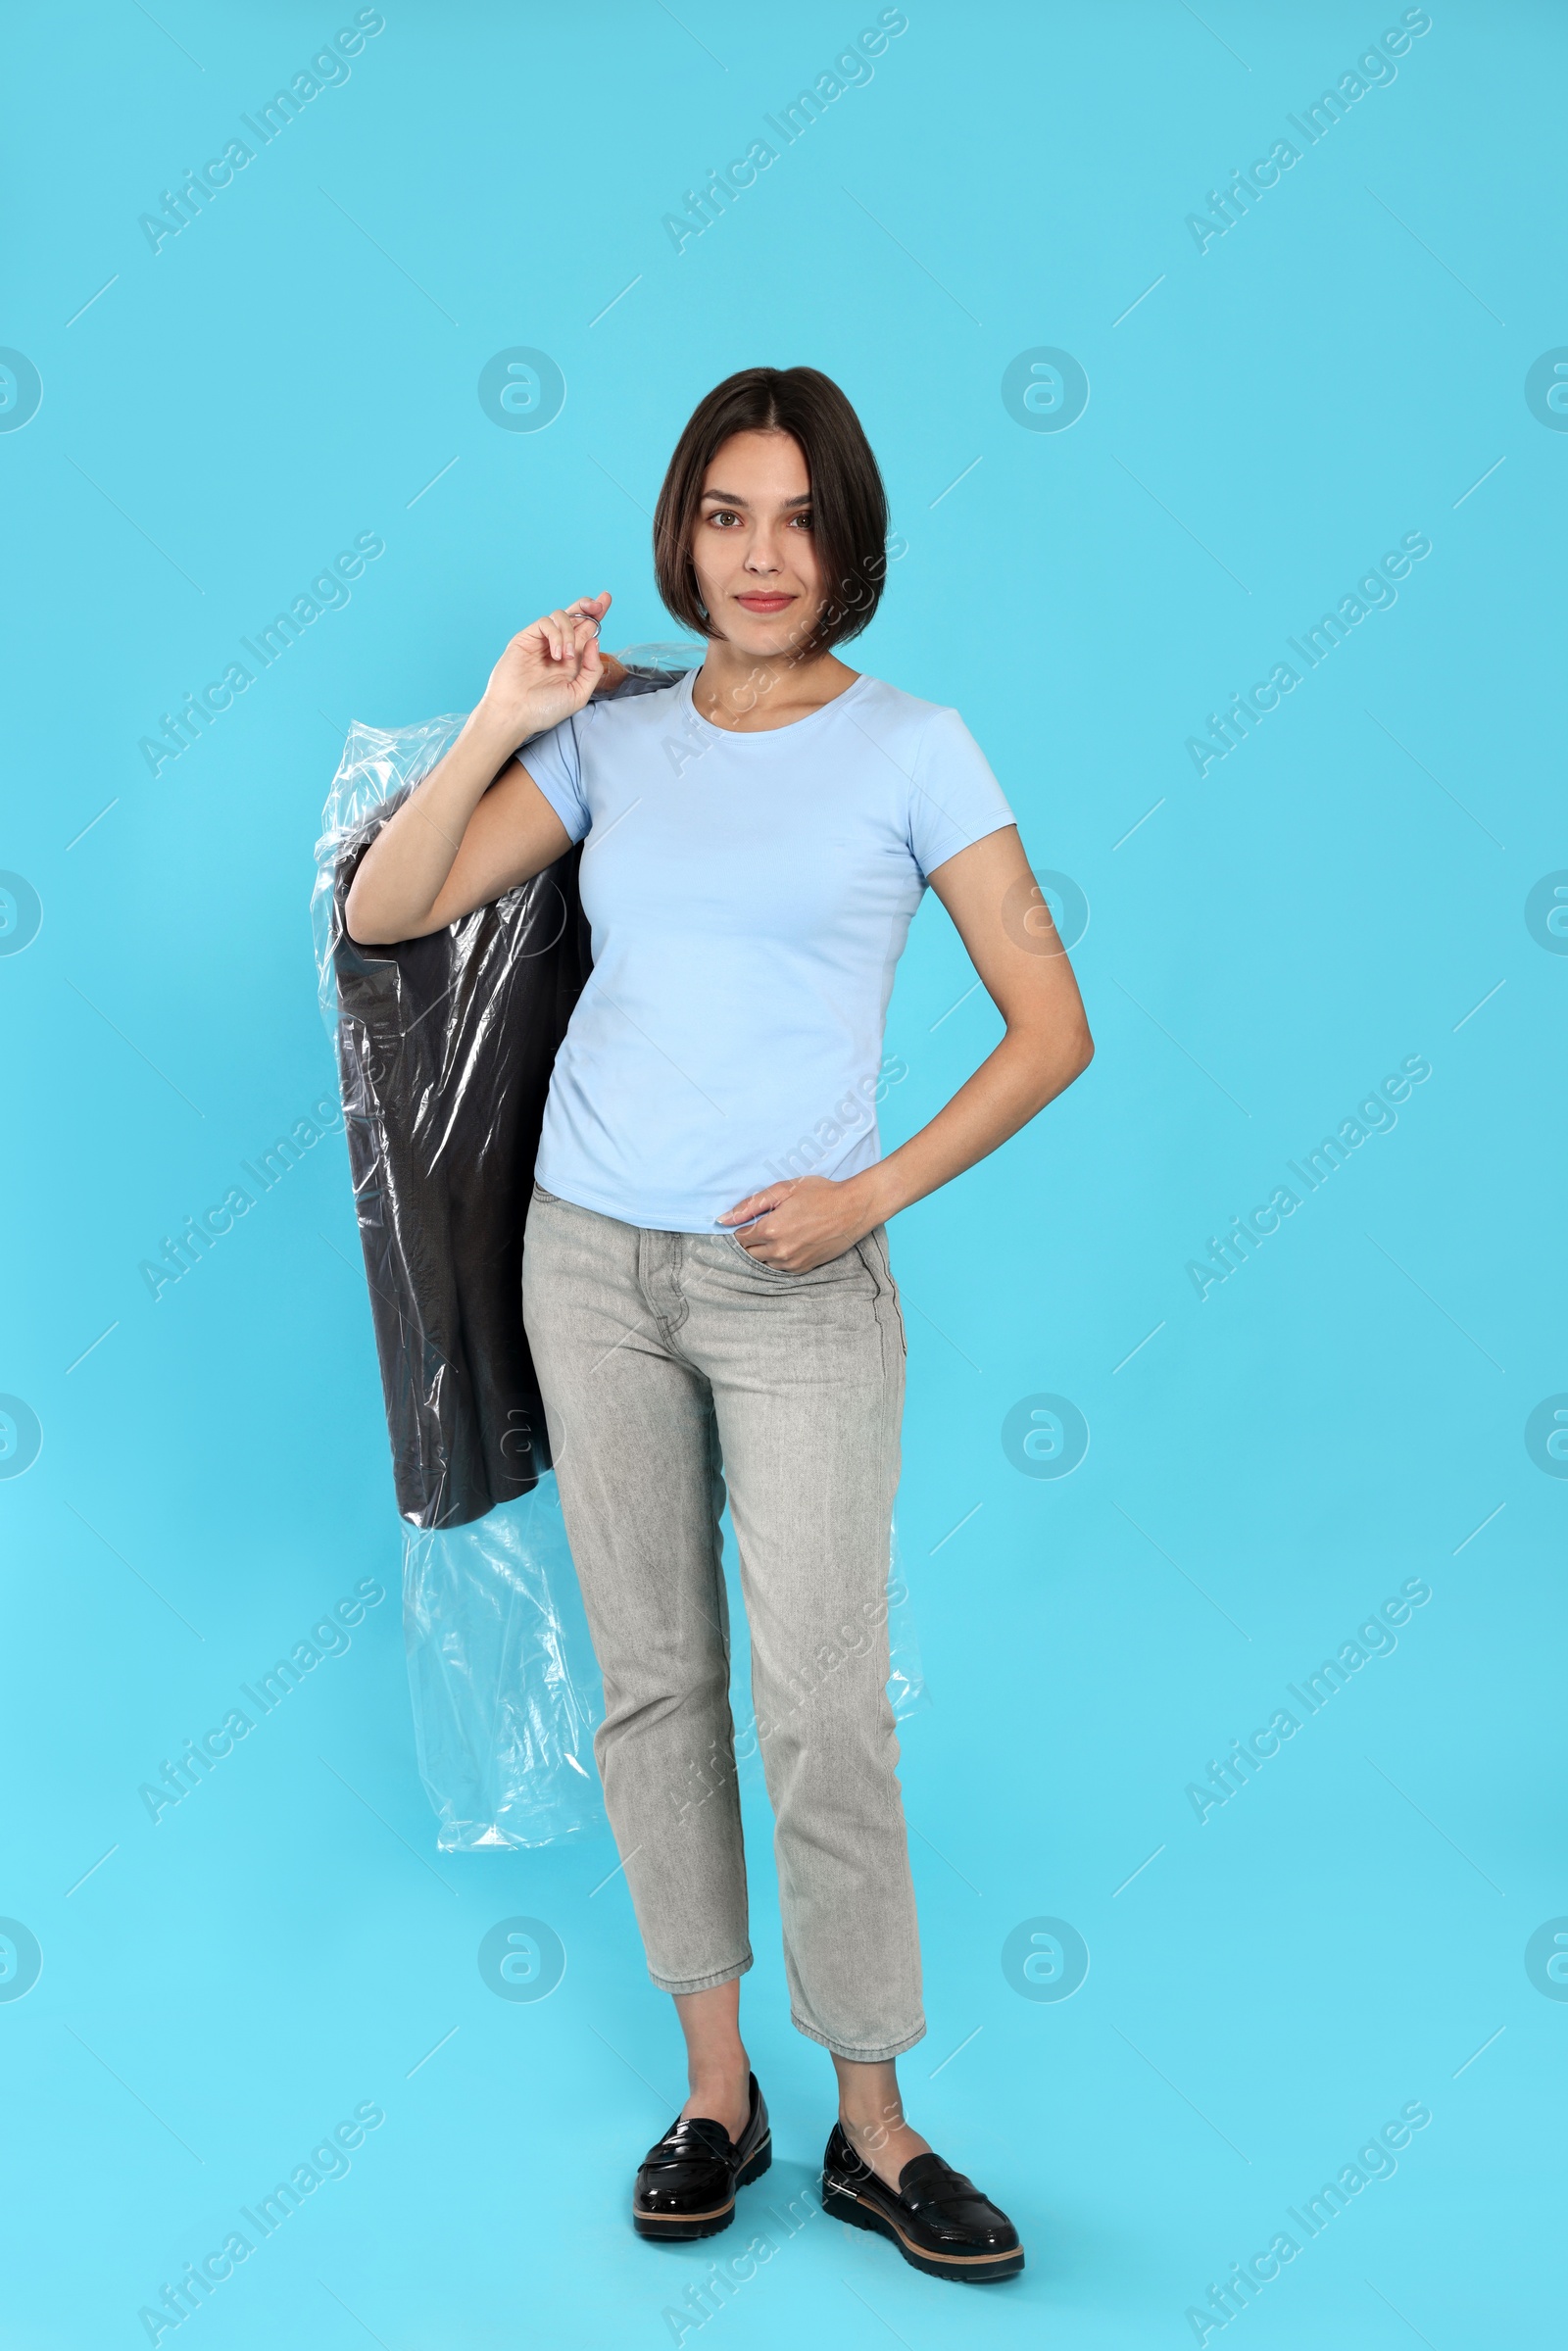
(670, 1365)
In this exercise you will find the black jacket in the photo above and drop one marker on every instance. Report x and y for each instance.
(445, 1048)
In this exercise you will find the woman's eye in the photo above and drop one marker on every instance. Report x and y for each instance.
(805, 521)
(724, 515)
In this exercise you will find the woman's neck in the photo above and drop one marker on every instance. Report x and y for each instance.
(749, 693)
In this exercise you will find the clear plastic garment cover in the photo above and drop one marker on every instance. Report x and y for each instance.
(444, 1048)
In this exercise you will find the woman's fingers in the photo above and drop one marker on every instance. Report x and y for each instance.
(560, 637)
(582, 616)
(588, 660)
(585, 614)
(755, 1204)
(572, 628)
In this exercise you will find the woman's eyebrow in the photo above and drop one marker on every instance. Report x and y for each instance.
(729, 498)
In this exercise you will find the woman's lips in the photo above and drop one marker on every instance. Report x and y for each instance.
(764, 604)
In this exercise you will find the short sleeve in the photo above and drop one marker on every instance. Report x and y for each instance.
(554, 761)
(955, 800)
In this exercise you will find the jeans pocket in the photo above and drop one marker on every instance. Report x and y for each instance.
(774, 1273)
(549, 1198)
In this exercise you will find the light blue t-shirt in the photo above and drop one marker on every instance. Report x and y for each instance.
(750, 895)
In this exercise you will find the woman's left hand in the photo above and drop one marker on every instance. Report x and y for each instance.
(802, 1222)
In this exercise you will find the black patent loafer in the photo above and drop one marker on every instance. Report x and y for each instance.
(937, 2218)
(686, 2184)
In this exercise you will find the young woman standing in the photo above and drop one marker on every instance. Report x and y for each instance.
(706, 1281)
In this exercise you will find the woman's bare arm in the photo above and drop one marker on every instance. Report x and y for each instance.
(478, 823)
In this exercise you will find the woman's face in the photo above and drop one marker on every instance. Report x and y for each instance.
(752, 544)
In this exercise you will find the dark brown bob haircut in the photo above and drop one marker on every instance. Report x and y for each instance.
(849, 502)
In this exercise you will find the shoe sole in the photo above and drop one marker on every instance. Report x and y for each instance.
(969, 2269)
(681, 2228)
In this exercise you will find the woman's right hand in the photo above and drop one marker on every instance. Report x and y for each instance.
(546, 673)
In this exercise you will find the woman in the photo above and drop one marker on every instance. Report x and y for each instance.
(705, 1283)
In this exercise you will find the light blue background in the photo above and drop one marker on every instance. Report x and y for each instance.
(1343, 891)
